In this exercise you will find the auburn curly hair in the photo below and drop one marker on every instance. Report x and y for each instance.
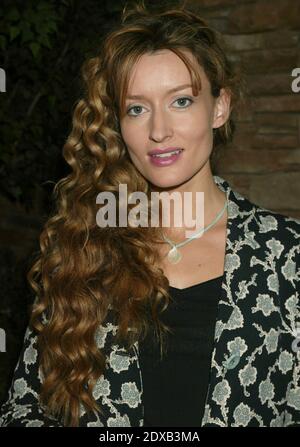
(83, 271)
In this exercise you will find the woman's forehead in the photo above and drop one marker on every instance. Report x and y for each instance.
(159, 73)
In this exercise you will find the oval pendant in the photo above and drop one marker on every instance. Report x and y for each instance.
(174, 256)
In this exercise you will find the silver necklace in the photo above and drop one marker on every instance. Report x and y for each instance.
(174, 255)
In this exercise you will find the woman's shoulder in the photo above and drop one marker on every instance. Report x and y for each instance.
(264, 222)
(275, 224)
(248, 212)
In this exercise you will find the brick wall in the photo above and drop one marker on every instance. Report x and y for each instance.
(263, 162)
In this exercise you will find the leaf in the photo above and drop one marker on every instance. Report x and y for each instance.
(35, 48)
(14, 32)
(44, 40)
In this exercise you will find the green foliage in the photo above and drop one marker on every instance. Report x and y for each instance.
(42, 47)
(34, 25)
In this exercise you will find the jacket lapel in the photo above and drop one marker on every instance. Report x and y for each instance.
(229, 315)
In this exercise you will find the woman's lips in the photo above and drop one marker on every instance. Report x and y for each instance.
(164, 150)
(165, 160)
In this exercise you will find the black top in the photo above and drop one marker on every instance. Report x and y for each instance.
(175, 387)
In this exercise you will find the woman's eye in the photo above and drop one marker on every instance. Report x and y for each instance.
(184, 99)
(132, 108)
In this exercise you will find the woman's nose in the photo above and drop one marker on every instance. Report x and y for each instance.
(160, 126)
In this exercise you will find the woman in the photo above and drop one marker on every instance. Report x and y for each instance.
(145, 326)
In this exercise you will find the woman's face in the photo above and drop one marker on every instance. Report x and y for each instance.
(160, 119)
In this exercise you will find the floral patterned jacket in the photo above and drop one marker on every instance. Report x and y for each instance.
(255, 364)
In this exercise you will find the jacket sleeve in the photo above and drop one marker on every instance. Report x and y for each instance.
(292, 306)
(292, 413)
(22, 408)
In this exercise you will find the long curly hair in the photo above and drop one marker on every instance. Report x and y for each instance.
(83, 271)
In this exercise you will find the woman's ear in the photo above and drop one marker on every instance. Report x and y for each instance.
(222, 108)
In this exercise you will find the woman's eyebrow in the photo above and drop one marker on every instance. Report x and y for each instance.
(174, 89)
